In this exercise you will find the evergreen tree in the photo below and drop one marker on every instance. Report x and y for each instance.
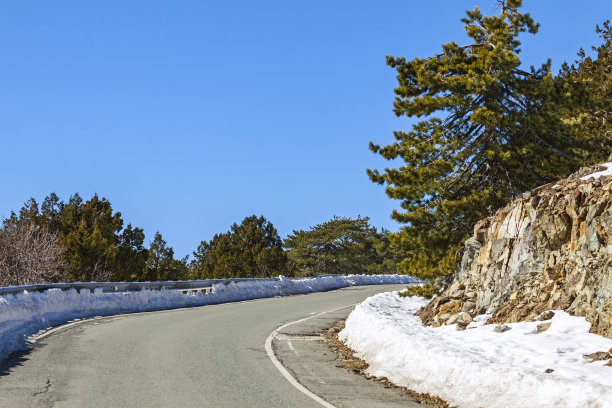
(132, 256)
(388, 250)
(161, 265)
(213, 259)
(340, 245)
(29, 213)
(251, 249)
(89, 234)
(50, 212)
(593, 120)
(489, 133)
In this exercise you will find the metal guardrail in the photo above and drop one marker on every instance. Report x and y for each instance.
(118, 287)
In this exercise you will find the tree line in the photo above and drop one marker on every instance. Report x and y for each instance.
(82, 241)
(86, 240)
(487, 130)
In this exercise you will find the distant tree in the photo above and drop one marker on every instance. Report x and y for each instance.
(94, 244)
(251, 249)
(490, 131)
(161, 265)
(390, 253)
(214, 259)
(28, 254)
(50, 211)
(132, 256)
(90, 236)
(340, 245)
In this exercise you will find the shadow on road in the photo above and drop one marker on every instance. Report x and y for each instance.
(15, 359)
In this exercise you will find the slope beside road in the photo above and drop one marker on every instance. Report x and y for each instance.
(210, 356)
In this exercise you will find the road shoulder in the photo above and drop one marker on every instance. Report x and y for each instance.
(313, 363)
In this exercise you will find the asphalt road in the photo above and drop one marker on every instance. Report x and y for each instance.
(211, 356)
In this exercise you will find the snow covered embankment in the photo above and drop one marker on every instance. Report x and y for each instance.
(28, 313)
(479, 367)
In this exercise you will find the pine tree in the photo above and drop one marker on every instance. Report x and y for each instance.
(488, 133)
(340, 245)
(161, 265)
(251, 249)
(593, 120)
(89, 233)
(132, 256)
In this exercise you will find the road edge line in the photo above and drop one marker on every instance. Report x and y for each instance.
(284, 371)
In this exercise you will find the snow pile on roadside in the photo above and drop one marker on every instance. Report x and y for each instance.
(27, 313)
(479, 367)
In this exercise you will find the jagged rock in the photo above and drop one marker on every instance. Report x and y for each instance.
(452, 307)
(546, 315)
(455, 286)
(549, 249)
(463, 319)
(456, 294)
(453, 319)
(501, 328)
(599, 356)
(480, 231)
(542, 327)
(468, 306)
(544, 297)
(470, 295)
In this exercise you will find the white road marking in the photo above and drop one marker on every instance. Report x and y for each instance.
(34, 338)
(284, 371)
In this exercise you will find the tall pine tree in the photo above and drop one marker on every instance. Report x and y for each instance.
(488, 132)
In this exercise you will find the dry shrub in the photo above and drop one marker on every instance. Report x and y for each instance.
(29, 255)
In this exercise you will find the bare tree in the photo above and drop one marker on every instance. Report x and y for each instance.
(98, 272)
(28, 255)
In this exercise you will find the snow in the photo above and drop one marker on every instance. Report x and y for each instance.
(606, 172)
(479, 367)
(26, 313)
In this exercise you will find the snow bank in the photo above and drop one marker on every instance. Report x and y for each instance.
(479, 367)
(27, 313)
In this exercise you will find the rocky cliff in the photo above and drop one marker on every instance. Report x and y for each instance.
(549, 249)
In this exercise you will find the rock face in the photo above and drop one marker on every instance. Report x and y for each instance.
(549, 249)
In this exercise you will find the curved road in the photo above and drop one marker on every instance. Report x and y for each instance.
(210, 356)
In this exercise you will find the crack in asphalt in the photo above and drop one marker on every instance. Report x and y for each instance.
(46, 388)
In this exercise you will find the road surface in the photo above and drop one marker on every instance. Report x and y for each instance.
(210, 356)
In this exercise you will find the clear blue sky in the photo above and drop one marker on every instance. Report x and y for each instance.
(190, 115)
